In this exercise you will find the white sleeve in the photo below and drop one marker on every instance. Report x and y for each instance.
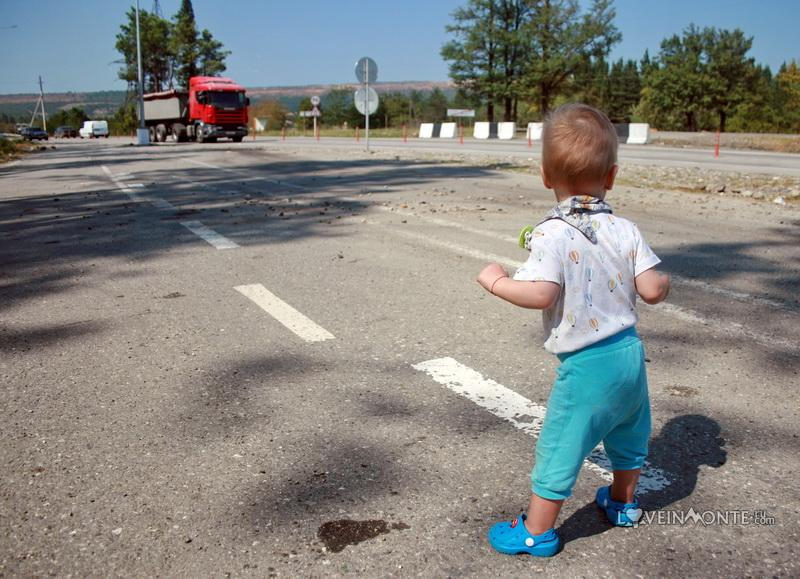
(543, 263)
(644, 258)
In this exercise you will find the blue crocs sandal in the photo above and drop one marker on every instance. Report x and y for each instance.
(514, 539)
(619, 514)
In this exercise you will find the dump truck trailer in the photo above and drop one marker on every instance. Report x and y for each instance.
(212, 108)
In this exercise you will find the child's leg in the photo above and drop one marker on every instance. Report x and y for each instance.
(624, 486)
(542, 514)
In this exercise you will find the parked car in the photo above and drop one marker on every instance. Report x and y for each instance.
(94, 129)
(31, 133)
(65, 132)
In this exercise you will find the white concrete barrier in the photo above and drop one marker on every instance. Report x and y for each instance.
(481, 130)
(534, 132)
(638, 134)
(425, 130)
(448, 131)
(506, 131)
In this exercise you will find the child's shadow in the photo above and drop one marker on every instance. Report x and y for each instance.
(685, 443)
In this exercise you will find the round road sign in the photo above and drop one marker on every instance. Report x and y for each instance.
(315, 100)
(370, 97)
(366, 70)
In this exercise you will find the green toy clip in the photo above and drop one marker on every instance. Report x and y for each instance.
(524, 236)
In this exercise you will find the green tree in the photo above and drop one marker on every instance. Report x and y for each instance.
(696, 75)
(435, 108)
(338, 108)
(184, 43)
(73, 117)
(731, 75)
(488, 53)
(154, 33)
(211, 56)
(560, 39)
(625, 87)
(675, 87)
(788, 88)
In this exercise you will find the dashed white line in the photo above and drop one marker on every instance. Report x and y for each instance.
(122, 186)
(284, 313)
(209, 235)
(521, 412)
(227, 170)
(162, 204)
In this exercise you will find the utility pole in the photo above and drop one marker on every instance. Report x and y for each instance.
(142, 135)
(40, 103)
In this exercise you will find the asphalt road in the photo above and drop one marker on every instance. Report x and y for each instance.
(273, 360)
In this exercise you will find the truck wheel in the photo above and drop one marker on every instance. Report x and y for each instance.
(200, 137)
(161, 133)
(178, 133)
(152, 134)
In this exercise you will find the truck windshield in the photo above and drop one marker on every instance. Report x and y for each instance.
(225, 99)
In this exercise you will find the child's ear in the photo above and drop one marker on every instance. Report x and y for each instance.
(545, 178)
(610, 177)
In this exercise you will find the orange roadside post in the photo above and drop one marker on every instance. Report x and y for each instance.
(357, 136)
(716, 145)
(405, 133)
(283, 133)
(460, 133)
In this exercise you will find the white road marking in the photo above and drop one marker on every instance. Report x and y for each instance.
(209, 235)
(522, 413)
(162, 204)
(685, 314)
(284, 313)
(122, 186)
(136, 185)
(227, 170)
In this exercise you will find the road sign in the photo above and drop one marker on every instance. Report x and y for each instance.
(315, 100)
(312, 113)
(366, 70)
(370, 96)
(460, 112)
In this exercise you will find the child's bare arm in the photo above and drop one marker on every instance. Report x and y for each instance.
(537, 295)
(653, 286)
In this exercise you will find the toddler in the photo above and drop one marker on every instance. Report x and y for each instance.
(585, 268)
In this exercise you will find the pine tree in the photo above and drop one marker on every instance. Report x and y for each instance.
(211, 55)
(184, 44)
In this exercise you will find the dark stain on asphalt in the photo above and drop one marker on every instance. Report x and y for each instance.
(339, 534)
(174, 295)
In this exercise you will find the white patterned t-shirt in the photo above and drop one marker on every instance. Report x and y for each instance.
(598, 292)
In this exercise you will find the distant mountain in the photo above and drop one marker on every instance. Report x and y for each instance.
(103, 104)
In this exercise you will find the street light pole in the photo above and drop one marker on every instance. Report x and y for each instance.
(142, 135)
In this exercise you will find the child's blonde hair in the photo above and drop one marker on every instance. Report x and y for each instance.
(579, 146)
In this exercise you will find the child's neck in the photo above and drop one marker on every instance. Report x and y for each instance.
(562, 195)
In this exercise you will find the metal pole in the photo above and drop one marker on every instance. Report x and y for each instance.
(366, 99)
(142, 129)
(41, 97)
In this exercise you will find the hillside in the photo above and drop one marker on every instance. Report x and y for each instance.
(103, 104)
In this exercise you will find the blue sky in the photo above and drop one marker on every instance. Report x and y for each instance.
(71, 42)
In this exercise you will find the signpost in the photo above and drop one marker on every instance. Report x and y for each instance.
(315, 113)
(366, 99)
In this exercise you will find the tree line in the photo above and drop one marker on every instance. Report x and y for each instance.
(517, 59)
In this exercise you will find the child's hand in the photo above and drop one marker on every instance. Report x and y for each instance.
(490, 274)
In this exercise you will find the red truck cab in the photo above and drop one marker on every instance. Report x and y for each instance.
(217, 108)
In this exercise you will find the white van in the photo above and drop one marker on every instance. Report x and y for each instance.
(94, 129)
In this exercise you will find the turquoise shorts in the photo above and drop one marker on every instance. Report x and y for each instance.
(600, 394)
